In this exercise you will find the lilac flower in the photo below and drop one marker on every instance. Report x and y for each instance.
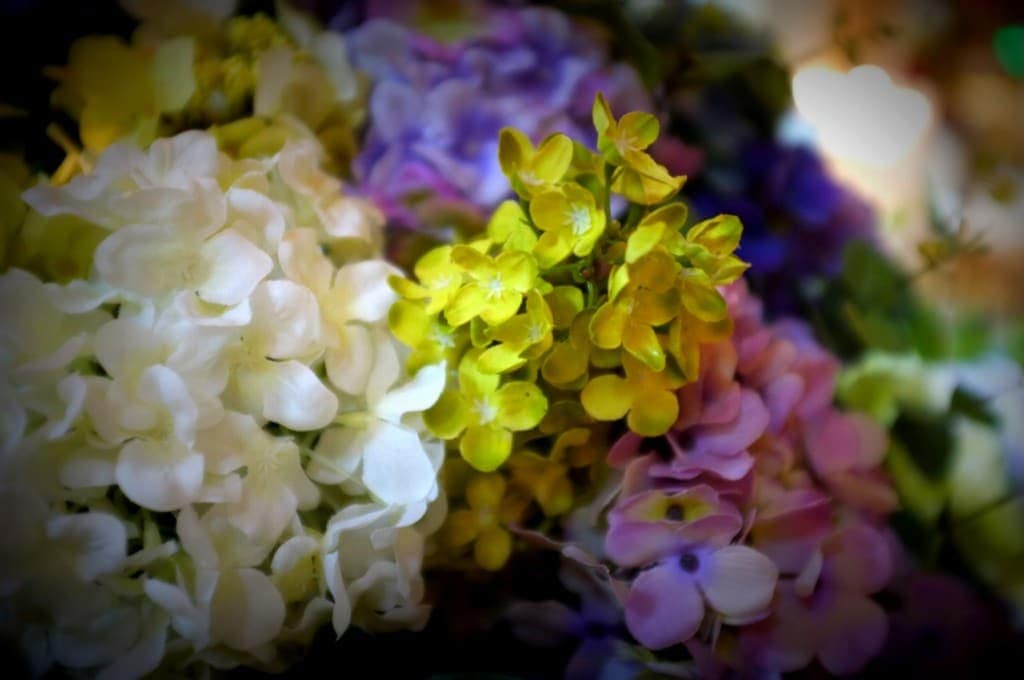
(760, 506)
(436, 108)
(831, 615)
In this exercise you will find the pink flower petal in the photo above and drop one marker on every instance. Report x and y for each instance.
(858, 559)
(664, 607)
(744, 430)
(855, 632)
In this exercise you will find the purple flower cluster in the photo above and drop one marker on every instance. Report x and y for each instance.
(796, 217)
(430, 152)
(759, 517)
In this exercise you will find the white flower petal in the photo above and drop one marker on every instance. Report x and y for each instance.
(739, 582)
(341, 617)
(224, 445)
(188, 620)
(84, 473)
(396, 469)
(160, 476)
(303, 262)
(352, 217)
(363, 286)
(78, 296)
(195, 539)
(144, 656)
(418, 394)
(234, 267)
(98, 539)
(349, 366)
(287, 319)
(386, 366)
(147, 260)
(295, 397)
(159, 385)
(256, 216)
(337, 455)
(247, 610)
(203, 313)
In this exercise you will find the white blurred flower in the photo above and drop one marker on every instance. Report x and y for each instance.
(222, 384)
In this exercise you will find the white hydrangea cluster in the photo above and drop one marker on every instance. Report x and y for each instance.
(211, 447)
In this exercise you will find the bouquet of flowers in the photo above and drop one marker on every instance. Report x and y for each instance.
(315, 332)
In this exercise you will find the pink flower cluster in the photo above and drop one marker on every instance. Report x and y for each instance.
(759, 518)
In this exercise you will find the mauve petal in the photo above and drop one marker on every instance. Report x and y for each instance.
(731, 438)
(731, 468)
(724, 407)
(633, 544)
(691, 403)
(664, 607)
(738, 581)
(751, 348)
(790, 534)
(854, 634)
(787, 640)
(869, 491)
(624, 449)
(872, 439)
(858, 559)
(832, 443)
(781, 396)
(638, 476)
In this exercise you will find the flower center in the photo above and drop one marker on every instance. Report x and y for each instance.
(689, 562)
(494, 286)
(579, 218)
(674, 513)
(442, 338)
(536, 333)
(529, 178)
(485, 411)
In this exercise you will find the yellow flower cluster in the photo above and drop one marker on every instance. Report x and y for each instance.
(559, 301)
(562, 319)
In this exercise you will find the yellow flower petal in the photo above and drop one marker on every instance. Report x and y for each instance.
(460, 528)
(514, 150)
(448, 417)
(549, 210)
(720, 234)
(638, 129)
(700, 297)
(608, 325)
(564, 364)
(485, 447)
(409, 322)
(521, 405)
(552, 159)
(501, 359)
(470, 301)
(565, 303)
(484, 492)
(607, 397)
(518, 270)
(493, 548)
(642, 342)
(473, 382)
(552, 247)
(654, 413)
(502, 307)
